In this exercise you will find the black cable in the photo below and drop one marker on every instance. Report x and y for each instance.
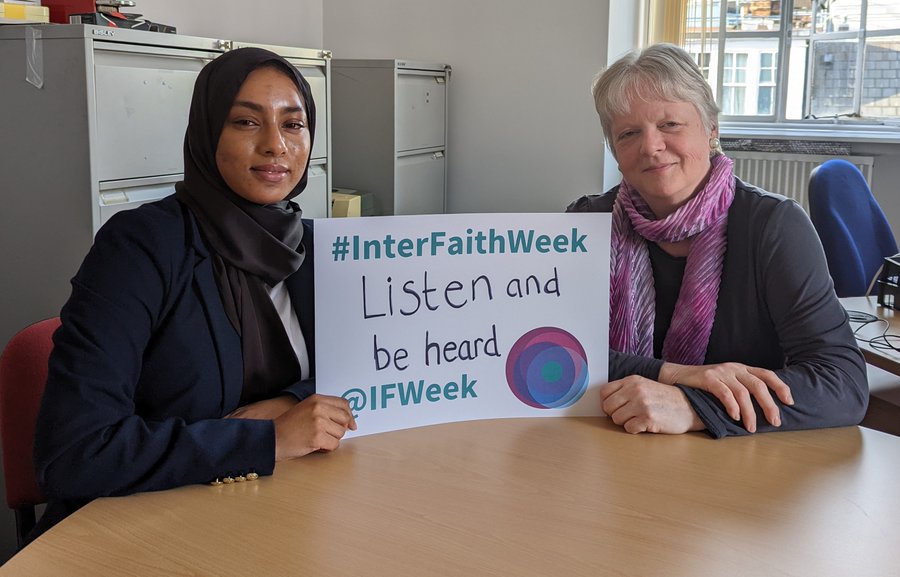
(861, 317)
(883, 342)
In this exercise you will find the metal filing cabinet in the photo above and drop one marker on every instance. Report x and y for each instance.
(94, 122)
(390, 132)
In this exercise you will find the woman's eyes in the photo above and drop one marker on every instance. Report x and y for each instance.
(668, 126)
(249, 123)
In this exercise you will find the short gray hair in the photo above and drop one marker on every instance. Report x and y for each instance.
(659, 72)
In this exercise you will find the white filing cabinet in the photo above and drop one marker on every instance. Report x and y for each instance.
(93, 123)
(390, 132)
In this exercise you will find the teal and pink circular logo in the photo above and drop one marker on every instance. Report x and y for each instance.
(547, 369)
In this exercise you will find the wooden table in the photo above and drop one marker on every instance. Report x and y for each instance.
(522, 497)
(883, 413)
(887, 360)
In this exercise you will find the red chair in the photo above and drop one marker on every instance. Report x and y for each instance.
(23, 374)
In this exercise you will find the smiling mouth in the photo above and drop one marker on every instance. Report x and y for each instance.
(270, 169)
(273, 173)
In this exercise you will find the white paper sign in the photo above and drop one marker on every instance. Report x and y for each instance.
(434, 319)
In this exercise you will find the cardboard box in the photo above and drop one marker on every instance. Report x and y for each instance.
(345, 204)
(24, 12)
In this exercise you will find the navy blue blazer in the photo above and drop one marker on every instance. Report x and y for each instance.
(146, 364)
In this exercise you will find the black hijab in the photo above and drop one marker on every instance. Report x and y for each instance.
(252, 245)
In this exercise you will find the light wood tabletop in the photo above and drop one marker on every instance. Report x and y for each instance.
(883, 413)
(522, 497)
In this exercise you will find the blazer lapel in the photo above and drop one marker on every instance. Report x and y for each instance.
(225, 338)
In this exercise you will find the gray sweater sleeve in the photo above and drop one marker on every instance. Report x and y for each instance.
(822, 364)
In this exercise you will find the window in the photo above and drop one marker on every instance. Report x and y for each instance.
(765, 96)
(734, 83)
(793, 60)
(702, 60)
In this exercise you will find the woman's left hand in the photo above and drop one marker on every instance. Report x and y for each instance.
(269, 409)
(641, 405)
(735, 385)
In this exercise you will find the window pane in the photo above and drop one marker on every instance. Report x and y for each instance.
(838, 16)
(739, 100)
(706, 54)
(801, 19)
(740, 69)
(702, 59)
(833, 78)
(750, 15)
(796, 79)
(883, 15)
(749, 76)
(764, 100)
(699, 20)
(881, 78)
(727, 104)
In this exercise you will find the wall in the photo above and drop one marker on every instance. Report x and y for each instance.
(523, 134)
(885, 176)
(280, 22)
(626, 20)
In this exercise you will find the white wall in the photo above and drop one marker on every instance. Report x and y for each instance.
(626, 20)
(279, 22)
(523, 134)
(885, 176)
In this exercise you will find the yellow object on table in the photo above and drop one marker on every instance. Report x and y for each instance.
(24, 12)
(344, 204)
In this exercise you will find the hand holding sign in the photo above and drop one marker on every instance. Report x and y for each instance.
(317, 423)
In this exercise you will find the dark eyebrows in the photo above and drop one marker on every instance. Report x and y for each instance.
(259, 108)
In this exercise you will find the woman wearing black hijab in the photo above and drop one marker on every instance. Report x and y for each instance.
(186, 350)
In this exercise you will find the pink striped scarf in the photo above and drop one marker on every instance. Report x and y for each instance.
(632, 297)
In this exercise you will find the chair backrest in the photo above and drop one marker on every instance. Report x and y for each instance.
(854, 232)
(23, 374)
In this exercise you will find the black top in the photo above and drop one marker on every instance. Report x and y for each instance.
(668, 272)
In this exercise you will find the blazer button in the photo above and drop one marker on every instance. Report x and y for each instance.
(251, 476)
(228, 480)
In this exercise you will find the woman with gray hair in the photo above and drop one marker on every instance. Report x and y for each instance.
(722, 314)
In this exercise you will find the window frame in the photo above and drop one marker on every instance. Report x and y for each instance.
(718, 40)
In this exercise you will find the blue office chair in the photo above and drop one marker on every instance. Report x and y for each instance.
(853, 229)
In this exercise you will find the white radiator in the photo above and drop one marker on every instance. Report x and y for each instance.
(787, 174)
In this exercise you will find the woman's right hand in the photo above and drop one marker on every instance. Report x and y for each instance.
(315, 424)
(735, 385)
